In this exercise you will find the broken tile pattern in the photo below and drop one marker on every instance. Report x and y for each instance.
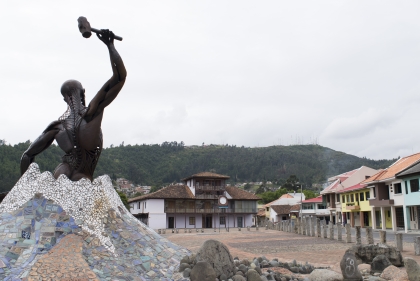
(30, 229)
(87, 210)
(64, 261)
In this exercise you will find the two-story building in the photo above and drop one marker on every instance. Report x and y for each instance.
(355, 205)
(315, 207)
(204, 201)
(274, 211)
(330, 195)
(387, 198)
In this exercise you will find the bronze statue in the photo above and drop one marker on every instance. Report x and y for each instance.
(78, 131)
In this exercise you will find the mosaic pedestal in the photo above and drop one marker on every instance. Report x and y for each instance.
(39, 212)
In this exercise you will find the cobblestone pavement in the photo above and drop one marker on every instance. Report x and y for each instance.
(63, 262)
(277, 244)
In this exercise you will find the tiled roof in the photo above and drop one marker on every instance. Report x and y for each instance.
(286, 196)
(314, 200)
(240, 194)
(331, 187)
(207, 175)
(395, 168)
(295, 208)
(261, 213)
(169, 192)
(352, 188)
(281, 209)
(413, 169)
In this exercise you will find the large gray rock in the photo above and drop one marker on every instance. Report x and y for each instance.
(252, 275)
(413, 269)
(218, 255)
(238, 278)
(349, 268)
(366, 253)
(202, 271)
(325, 275)
(379, 264)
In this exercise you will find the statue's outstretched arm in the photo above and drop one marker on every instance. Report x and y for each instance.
(113, 86)
(39, 145)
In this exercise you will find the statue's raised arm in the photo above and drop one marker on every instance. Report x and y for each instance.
(113, 86)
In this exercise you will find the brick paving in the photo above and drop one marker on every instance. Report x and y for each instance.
(63, 262)
(276, 244)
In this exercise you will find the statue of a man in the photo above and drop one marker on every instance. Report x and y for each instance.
(78, 131)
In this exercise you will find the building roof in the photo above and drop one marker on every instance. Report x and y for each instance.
(314, 200)
(285, 209)
(240, 194)
(184, 192)
(398, 166)
(261, 213)
(413, 169)
(332, 187)
(207, 175)
(353, 188)
(169, 192)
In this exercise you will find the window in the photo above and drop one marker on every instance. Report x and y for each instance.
(308, 207)
(357, 197)
(267, 209)
(139, 205)
(406, 188)
(348, 198)
(352, 197)
(374, 192)
(414, 184)
(223, 220)
(320, 206)
(337, 198)
(343, 199)
(362, 196)
(192, 220)
(367, 195)
(397, 188)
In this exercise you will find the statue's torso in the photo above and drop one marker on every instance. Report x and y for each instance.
(82, 143)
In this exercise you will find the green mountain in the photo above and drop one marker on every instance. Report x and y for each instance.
(169, 162)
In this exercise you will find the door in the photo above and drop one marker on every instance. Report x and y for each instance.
(378, 219)
(418, 217)
(171, 222)
(366, 218)
(400, 217)
(209, 221)
(239, 221)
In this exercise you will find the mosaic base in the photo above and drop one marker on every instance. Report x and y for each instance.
(116, 246)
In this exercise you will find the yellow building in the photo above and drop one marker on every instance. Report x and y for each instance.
(355, 206)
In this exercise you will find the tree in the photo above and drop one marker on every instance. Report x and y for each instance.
(309, 194)
(124, 199)
(247, 186)
(292, 183)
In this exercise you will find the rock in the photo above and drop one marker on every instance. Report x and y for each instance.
(325, 275)
(258, 269)
(185, 259)
(186, 272)
(366, 253)
(217, 254)
(245, 262)
(349, 268)
(252, 275)
(259, 259)
(238, 278)
(183, 266)
(256, 262)
(243, 268)
(263, 278)
(375, 278)
(412, 268)
(364, 268)
(379, 263)
(223, 277)
(274, 263)
(264, 264)
(394, 273)
(240, 273)
(203, 271)
(294, 269)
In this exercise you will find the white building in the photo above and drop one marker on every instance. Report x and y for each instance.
(197, 204)
(281, 209)
(315, 207)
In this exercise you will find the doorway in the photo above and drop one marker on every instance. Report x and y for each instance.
(208, 221)
(171, 222)
(366, 218)
(399, 212)
(239, 221)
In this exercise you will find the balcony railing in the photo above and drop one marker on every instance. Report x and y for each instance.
(206, 196)
(352, 206)
(210, 188)
(211, 211)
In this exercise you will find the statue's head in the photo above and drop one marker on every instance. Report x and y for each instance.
(72, 91)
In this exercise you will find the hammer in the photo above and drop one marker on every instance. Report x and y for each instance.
(85, 29)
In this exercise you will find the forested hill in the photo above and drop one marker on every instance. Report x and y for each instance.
(169, 162)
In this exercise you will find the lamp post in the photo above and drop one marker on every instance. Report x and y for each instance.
(301, 186)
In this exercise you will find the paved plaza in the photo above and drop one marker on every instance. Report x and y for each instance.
(277, 244)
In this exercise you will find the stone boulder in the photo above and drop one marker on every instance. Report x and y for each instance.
(218, 255)
(349, 267)
(238, 278)
(379, 264)
(202, 271)
(394, 273)
(325, 275)
(413, 269)
(366, 253)
(252, 275)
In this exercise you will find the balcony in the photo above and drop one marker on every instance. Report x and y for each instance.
(375, 202)
(210, 188)
(206, 196)
(211, 211)
(352, 206)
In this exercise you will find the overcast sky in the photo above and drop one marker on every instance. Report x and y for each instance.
(252, 73)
